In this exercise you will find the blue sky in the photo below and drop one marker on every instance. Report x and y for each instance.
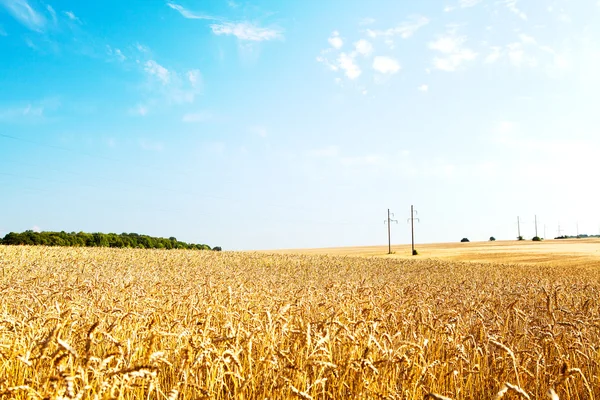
(269, 124)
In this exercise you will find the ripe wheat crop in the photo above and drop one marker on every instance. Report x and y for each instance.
(79, 323)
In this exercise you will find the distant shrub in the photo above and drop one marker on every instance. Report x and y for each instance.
(536, 239)
(415, 252)
(464, 240)
(217, 248)
(492, 239)
(520, 238)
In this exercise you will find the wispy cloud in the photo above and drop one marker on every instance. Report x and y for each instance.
(155, 69)
(29, 112)
(386, 65)
(454, 53)
(423, 88)
(335, 40)
(72, 16)
(190, 14)
(243, 30)
(512, 7)
(175, 87)
(246, 31)
(521, 53)
(52, 13)
(23, 12)
(404, 30)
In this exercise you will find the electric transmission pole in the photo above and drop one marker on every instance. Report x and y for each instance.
(412, 227)
(518, 228)
(536, 234)
(389, 223)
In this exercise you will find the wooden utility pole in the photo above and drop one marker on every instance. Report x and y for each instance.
(389, 223)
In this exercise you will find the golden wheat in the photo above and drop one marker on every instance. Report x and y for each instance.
(80, 323)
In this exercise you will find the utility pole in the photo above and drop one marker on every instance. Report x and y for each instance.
(536, 225)
(518, 228)
(412, 227)
(577, 229)
(389, 223)
(559, 230)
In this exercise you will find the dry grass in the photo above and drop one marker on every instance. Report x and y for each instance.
(140, 324)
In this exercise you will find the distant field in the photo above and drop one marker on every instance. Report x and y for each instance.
(100, 323)
(563, 252)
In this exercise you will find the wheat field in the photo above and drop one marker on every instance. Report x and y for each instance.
(80, 323)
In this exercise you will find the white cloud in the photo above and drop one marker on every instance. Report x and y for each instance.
(194, 77)
(453, 50)
(385, 65)
(189, 14)
(201, 116)
(157, 70)
(72, 16)
(404, 30)
(25, 14)
(512, 6)
(423, 88)
(246, 31)
(346, 62)
(36, 229)
(335, 40)
(363, 47)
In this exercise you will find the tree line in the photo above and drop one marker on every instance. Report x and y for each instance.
(82, 239)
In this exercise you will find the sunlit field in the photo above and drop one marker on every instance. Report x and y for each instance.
(156, 324)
